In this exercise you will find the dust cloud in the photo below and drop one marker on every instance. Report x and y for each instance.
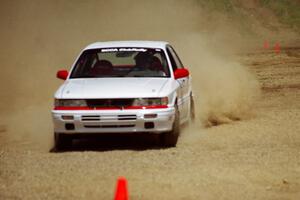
(226, 91)
(40, 37)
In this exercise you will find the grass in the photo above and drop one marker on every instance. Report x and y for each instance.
(287, 11)
(217, 5)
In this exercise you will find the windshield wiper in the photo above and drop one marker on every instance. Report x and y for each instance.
(118, 76)
(92, 76)
(84, 76)
(135, 76)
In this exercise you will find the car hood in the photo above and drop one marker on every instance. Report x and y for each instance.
(112, 88)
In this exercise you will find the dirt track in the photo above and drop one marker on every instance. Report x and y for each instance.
(255, 158)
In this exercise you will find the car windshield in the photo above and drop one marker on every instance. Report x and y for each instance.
(121, 62)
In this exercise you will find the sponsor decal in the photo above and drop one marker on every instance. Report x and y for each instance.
(124, 49)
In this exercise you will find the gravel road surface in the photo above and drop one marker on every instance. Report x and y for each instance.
(255, 158)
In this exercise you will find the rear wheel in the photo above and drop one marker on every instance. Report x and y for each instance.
(169, 139)
(62, 141)
(192, 109)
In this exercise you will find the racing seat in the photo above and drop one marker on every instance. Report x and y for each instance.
(102, 67)
(156, 65)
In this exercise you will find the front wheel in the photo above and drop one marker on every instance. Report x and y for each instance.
(62, 141)
(170, 138)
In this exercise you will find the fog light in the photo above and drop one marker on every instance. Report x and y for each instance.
(69, 126)
(67, 117)
(149, 125)
(150, 116)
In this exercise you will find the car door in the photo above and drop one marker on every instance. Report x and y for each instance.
(183, 96)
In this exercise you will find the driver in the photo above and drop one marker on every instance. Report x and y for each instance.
(143, 68)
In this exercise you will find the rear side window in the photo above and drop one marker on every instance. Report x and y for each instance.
(175, 61)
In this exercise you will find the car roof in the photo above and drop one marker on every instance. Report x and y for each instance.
(140, 44)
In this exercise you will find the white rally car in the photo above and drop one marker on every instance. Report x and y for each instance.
(123, 87)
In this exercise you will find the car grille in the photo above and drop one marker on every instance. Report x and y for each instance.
(108, 117)
(109, 103)
(90, 118)
(126, 117)
(110, 126)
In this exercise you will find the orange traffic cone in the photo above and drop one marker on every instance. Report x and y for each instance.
(121, 190)
(266, 45)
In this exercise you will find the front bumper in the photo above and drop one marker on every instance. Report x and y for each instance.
(113, 121)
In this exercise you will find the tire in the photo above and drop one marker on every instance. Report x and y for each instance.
(62, 141)
(192, 109)
(170, 138)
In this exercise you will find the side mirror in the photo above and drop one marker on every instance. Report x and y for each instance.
(62, 74)
(181, 73)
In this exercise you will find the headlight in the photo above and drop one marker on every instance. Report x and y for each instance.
(150, 101)
(70, 103)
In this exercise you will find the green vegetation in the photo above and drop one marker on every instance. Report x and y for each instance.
(287, 11)
(217, 5)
